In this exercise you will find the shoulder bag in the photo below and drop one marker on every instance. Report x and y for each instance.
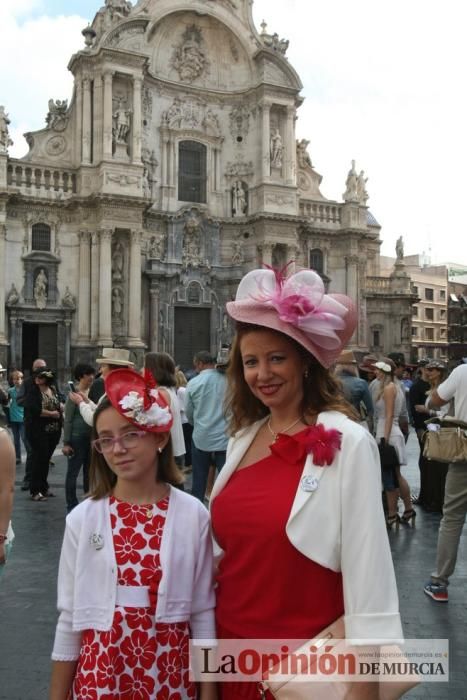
(445, 440)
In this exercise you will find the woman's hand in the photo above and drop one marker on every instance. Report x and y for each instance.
(67, 450)
(77, 397)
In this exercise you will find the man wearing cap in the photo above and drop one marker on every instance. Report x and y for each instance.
(455, 495)
(112, 358)
(355, 389)
(204, 408)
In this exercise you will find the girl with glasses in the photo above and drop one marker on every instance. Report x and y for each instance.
(135, 576)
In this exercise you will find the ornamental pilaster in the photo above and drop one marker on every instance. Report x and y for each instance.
(105, 287)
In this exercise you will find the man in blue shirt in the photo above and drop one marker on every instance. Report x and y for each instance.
(204, 407)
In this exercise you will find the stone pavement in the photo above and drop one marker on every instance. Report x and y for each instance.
(28, 592)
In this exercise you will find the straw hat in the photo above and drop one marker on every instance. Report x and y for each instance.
(115, 356)
(368, 363)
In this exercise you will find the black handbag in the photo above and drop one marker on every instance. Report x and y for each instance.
(388, 455)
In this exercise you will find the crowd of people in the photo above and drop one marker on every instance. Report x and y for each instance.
(291, 426)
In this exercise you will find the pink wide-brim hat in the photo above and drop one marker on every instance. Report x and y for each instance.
(298, 307)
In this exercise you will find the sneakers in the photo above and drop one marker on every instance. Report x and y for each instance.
(437, 591)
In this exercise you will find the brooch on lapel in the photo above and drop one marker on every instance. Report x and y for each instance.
(322, 444)
(96, 541)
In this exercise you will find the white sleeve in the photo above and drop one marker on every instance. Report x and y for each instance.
(202, 619)
(87, 410)
(447, 389)
(371, 601)
(67, 643)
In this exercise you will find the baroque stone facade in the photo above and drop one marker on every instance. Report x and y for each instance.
(173, 170)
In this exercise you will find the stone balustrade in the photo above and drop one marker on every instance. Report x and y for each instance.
(319, 212)
(40, 181)
(378, 285)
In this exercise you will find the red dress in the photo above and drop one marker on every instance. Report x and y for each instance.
(136, 659)
(267, 589)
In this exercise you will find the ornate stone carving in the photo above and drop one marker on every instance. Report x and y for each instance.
(147, 102)
(117, 262)
(362, 194)
(239, 121)
(56, 145)
(350, 194)
(57, 118)
(211, 123)
(121, 122)
(239, 169)
(117, 304)
(40, 289)
(276, 149)
(281, 199)
(189, 59)
(228, 3)
(303, 157)
(13, 296)
(239, 199)
(272, 41)
(150, 163)
(400, 248)
(68, 300)
(156, 247)
(122, 180)
(5, 140)
(238, 257)
(191, 256)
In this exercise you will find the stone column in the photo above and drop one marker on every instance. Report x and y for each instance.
(105, 287)
(290, 148)
(164, 160)
(67, 343)
(107, 119)
(84, 289)
(136, 120)
(351, 264)
(134, 313)
(2, 283)
(98, 125)
(78, 143)
(154, 294)
(266, 253)
(86, 121)
(266, 134)
(94, 302)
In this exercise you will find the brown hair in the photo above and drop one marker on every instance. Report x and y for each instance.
(101, 477)
(162, 367)
(321, 392)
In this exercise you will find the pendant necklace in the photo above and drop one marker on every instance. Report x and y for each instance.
(276, 435)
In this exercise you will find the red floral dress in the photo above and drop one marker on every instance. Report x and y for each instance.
(137, 659)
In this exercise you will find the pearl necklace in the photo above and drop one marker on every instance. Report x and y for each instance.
(276, 435)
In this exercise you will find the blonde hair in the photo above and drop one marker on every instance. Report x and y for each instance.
(180, 379)
(383, 383)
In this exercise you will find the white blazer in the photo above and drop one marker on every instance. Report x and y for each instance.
(341, 526)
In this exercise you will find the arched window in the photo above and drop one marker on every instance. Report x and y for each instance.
(40, 237)
(192, 158)
(317, 260)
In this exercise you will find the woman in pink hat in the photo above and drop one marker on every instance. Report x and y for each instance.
(296, 511)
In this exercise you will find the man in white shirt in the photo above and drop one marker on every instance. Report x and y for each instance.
(455, 496)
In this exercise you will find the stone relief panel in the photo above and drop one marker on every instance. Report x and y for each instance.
(239, 119)
(190, 58)
(192, 114)
(156, 247)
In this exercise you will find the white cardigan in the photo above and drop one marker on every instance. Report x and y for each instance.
(341, 526)
(87, 577)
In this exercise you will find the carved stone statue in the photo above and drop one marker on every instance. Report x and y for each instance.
(303, 156)
(56, 117)
(211, 123)
(405, 330)
(68, 299)
(117, 262)
(173, 116)
(150, 163)
(237, 257)
(122, 122)
(5, 140)
(156, 247)
(350, 194)
(40, 289)
(117, 303)
(276, 149)
(239, 203)
(13, 296)
(362, 194)
(400, 248)
(189, 59)
(192, 243)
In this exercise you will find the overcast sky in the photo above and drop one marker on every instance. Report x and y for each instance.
(384, 82)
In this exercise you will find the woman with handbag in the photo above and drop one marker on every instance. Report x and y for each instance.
(390, 401)
(434, 473)
(296, 510)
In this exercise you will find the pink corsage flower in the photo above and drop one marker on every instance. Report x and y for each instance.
(322, 444)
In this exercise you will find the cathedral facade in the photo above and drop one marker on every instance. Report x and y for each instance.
(174, 170)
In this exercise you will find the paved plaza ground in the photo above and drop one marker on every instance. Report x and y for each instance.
(28, 592)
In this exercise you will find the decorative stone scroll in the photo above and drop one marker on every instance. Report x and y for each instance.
(190, 60)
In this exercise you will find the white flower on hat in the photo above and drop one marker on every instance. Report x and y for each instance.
(131, 401)
(133, 405)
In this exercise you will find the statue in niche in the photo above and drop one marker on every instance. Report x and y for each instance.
(122, 122)
(239, 203)
(150, 163)
(13, 296)
(68, 299)
(350, 194)
(405, 330)
(117, 262)
(400, 248)
(303, 156)
(40, 289)
(117, 303)
(191, 243)
(156, 247)
(362, 194)
(56, 118)
(189, 60)
(276, 149)
(211, 122)
(5, 140)
(237, 255)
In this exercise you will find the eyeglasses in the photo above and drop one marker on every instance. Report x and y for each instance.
(127, 441)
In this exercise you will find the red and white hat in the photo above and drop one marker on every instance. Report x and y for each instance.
(298, 307)
(138, 400)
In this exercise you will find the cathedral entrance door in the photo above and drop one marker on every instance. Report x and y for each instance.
(39, 340)
(192, 333)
